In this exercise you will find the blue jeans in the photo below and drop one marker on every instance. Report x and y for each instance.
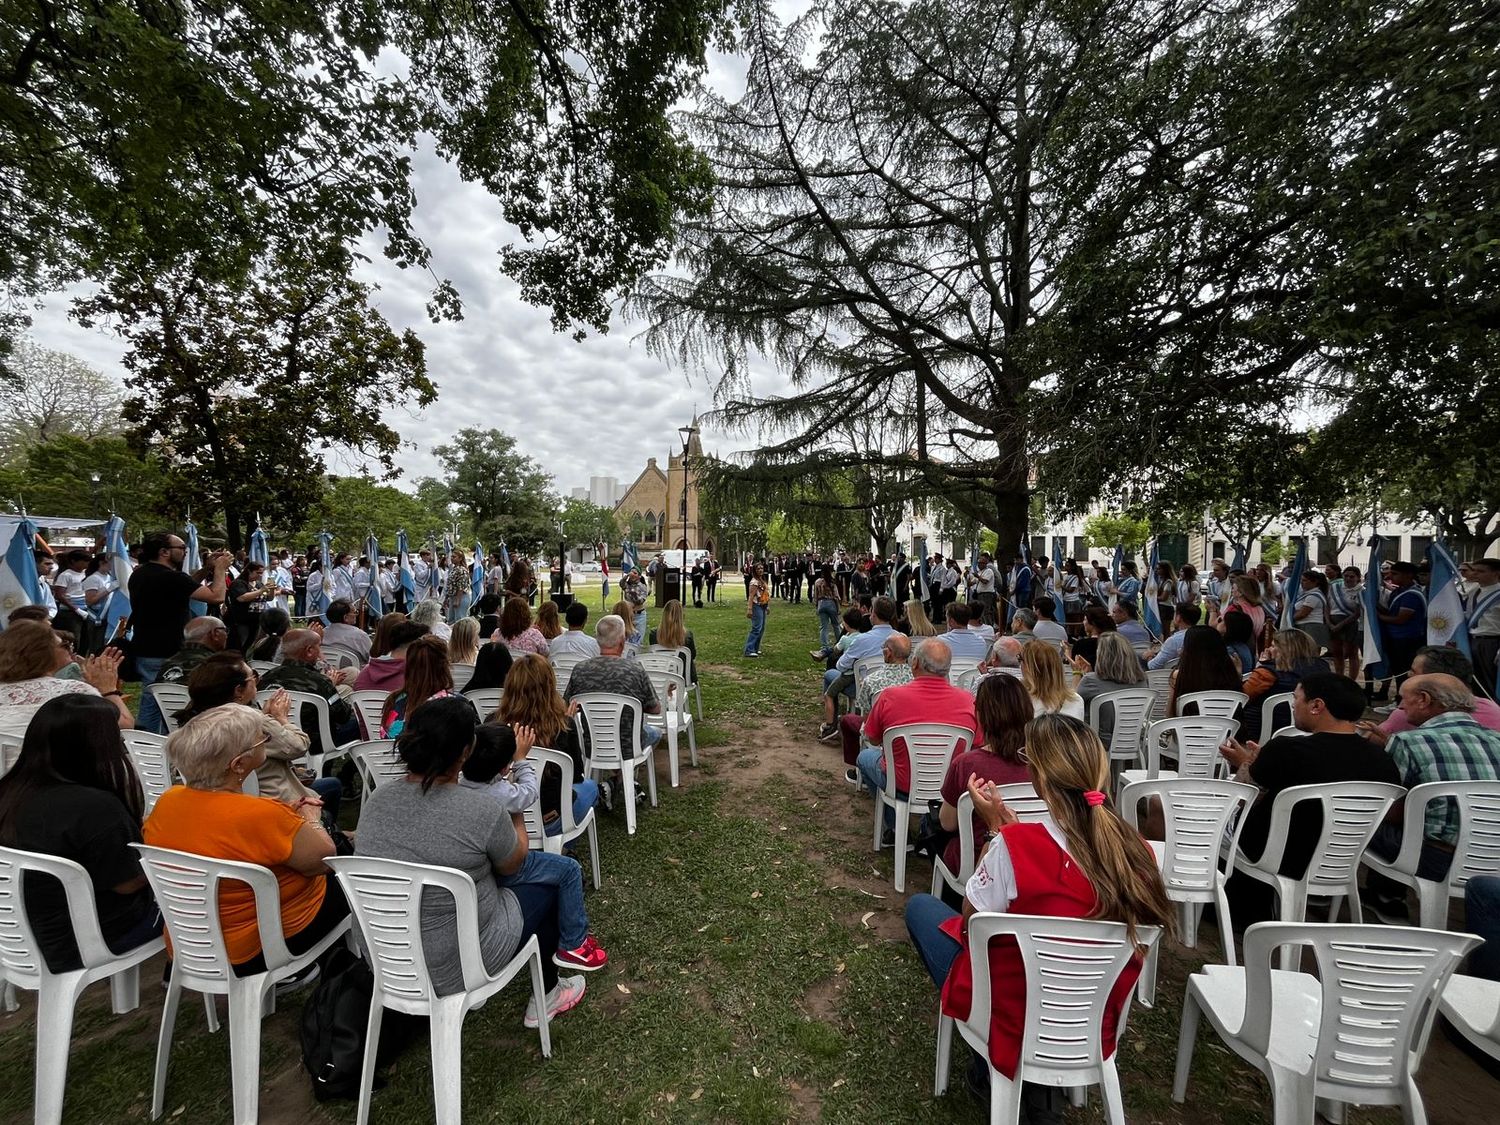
(149, 718)
(1482, 915)
(639, 636)
(539, 911)
(828, 623)
(831, 684)
(563, 874)
(459, 610)
(585, 797)
(871, 766)
(1386, 843)
(757, 628)
(924, 914)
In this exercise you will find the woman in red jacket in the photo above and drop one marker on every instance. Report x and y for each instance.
(1081, 861)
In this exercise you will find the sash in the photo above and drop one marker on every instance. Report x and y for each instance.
(1341, 604)
(1483, 605)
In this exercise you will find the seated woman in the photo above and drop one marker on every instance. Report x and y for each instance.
(1081, 861)
(428, 676)
(532, 700)
(626, 613)
(918, 623)
(1292, 655)
(1117, 668)
(73, 794)
(1238, 632)
(1045, 680)
(548, 623)
(1002, 709)
(1203, 666)
(1096, 623)
(274, 624)
(491, 667)
(31, 657)
(517, 631)
(463, 641)
(211, 815)
(225, 678)
(427, 817)
(672, 633)
(429, 612)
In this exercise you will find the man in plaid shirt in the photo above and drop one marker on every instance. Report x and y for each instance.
(1446, 744)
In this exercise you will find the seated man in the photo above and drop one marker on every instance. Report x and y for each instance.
(962, 643)
(574, 639)
(339, 632)
(977, 625)
(1047, 627)
(895, 671)
(1021, 623)
(1004, 658)
(202, 637)
(1327, 707)
(611, 673)
(301, 650)
(929, 698)
(1184, 616)
(1124, 615)
(1445, 745)
(839, 680)
(1449, 661)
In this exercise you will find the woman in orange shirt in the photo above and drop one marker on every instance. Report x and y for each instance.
(213, 816)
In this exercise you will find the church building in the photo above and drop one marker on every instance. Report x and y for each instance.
(660, 508)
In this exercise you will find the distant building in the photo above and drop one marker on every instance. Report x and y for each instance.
(660, 508)
(579, 494)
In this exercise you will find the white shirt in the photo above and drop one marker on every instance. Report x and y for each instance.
(1049, 631)
(71, 583)
(284, 582)
(1483, 604)
(1073, 707)
(993, 887)
(361, 582)
(571, 641)
(1315, 601)
(343, 583)
(984, 580)
(348, 636)
(99, 580)
(20, 700)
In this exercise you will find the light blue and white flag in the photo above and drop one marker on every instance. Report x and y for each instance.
(259, 550)
(1373, 657)
(1240, 558)
(1291, 593)
(476, 573)
(923, 592)
(372, 595)
(192, 559)
(1149, 615)
(434, 575)
(1447, 620)
(20, 584)
(629, 559)
(1057, 579)
(1115, 562)
(504, 557)
(324, 599)
(403, 567)
(117, 605)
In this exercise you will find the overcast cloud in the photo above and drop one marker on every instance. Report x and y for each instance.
(596, 407)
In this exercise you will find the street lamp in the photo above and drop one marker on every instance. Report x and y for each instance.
(559, 582)
(94, 488)
(687, 433)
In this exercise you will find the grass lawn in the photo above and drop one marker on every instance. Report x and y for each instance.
(759, 969)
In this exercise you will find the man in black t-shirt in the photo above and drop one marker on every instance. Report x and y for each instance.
(159, 596)
(1326, 707)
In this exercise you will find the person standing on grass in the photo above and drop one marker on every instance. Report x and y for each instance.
(758, 596)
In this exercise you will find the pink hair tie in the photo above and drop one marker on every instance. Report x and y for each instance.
(1094, 797)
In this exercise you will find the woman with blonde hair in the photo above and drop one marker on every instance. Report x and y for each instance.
(532, 700)
(1079, 861)
(1291, 655)
(1246, 598)
(1045, 681)
(463, 641)
(672, 633)
(623, 611)
(548, 623)
(916, 617)
(1117, 668)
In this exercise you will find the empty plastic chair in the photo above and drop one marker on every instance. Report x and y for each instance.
(148, 754)
(377, 762)
(170, 699)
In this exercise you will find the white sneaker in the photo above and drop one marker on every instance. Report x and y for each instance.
(564, 997)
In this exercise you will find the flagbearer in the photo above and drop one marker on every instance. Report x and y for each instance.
(1483, 606)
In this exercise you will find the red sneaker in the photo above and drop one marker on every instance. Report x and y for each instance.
(588, 957)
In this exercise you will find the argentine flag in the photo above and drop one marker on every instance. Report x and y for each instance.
(629, 560)
(1373, 657)
(403, 566)
(192, 562)
(476, 573)
(434, 575)
(1447, 620)
(325, 591)
(504, 557)
(117, 608)
(1057, 579)
(1149, 616)
(20, 584)
(259, 551)
(372, 595)
(1291, 593)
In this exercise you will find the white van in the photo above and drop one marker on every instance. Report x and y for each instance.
(673, 560)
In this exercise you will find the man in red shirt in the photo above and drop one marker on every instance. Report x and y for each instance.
(929, 698)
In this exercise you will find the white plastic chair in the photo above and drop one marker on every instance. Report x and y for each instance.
(1197, 813)
(187, 890)
(261, 667)
(377, 762)
(1268, 708)
(1289, 732)
(959, 667)
(486, 700)
(1476, 851)
(1071, 966)
(323, 735)
(1019, 796)
(370, 707)
(598, 720)
(563, 664)
(340, 657)
(536, 831)
(148, 754)
(675, 718)
(688, 672)
(1196, 742)
(1131, 711)
(863, 667)
(170, 699)
(1472, 1005)
(1214, 704)
(385, 898)
(22, 965)
(929, 749)
(461, 675)
(969, 681)
(1351, 811)
(1355, 1033)
(10, 750)
(1159, 680)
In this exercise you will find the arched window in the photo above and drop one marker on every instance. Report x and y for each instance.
(661, 528)
(651, 533)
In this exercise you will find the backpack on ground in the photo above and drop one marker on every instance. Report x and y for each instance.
(334, 1021)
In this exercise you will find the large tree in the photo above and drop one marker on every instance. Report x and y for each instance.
(56, 478)
(242, 390)
(51, 394)
(133, 128)
(503, 493)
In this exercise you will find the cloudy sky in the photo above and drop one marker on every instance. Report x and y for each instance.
(599, 407)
